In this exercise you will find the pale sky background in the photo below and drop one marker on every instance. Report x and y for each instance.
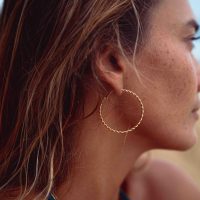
(195, 4)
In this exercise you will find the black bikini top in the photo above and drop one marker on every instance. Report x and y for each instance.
(122, 195)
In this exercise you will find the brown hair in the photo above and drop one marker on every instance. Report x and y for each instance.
(47, 52)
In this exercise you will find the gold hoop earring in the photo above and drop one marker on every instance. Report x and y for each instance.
(134, 127)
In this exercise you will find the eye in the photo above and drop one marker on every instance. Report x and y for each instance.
(194, 38)
(195, 44)
(192, 41)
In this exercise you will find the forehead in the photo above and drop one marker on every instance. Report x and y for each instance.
(169, 12)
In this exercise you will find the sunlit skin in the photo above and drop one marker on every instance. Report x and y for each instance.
(170, 83)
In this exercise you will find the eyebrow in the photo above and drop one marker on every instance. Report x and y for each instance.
(194, 24)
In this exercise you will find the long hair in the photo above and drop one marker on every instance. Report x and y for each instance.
(47, 53)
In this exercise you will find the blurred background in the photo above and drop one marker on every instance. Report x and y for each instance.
(190, 160)
(195, 4)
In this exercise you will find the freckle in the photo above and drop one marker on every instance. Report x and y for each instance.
(172, 62)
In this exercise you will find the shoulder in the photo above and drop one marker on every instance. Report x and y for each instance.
(162, 180)
(159, 168)
(165, 180)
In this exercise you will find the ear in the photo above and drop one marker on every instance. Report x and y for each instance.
(111, 70)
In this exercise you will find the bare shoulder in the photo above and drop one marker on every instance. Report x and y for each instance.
(165, 180)
(162, 180)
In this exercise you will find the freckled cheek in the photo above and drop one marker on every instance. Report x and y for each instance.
(188, 73)
(181, 79)
(173, 75)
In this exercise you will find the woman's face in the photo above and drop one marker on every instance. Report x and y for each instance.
(170, 76)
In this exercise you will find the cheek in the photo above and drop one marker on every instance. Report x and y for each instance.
(178, 78)
(171, 76)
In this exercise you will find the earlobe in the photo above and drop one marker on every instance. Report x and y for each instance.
(111, 71)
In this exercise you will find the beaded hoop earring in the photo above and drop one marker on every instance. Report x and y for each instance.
(131, 129)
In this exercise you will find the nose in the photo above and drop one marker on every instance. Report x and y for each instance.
(198, 76)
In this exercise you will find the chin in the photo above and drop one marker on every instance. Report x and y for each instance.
(187, 141)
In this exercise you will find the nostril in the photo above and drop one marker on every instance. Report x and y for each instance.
(198, 84)
(198, 79)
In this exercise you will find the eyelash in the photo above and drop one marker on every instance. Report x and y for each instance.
(195, 38)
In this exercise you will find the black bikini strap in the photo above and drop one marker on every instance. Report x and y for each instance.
(123, 195)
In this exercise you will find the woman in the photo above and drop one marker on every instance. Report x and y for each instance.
(60, 138)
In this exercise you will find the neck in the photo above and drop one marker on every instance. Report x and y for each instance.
(105, 159)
